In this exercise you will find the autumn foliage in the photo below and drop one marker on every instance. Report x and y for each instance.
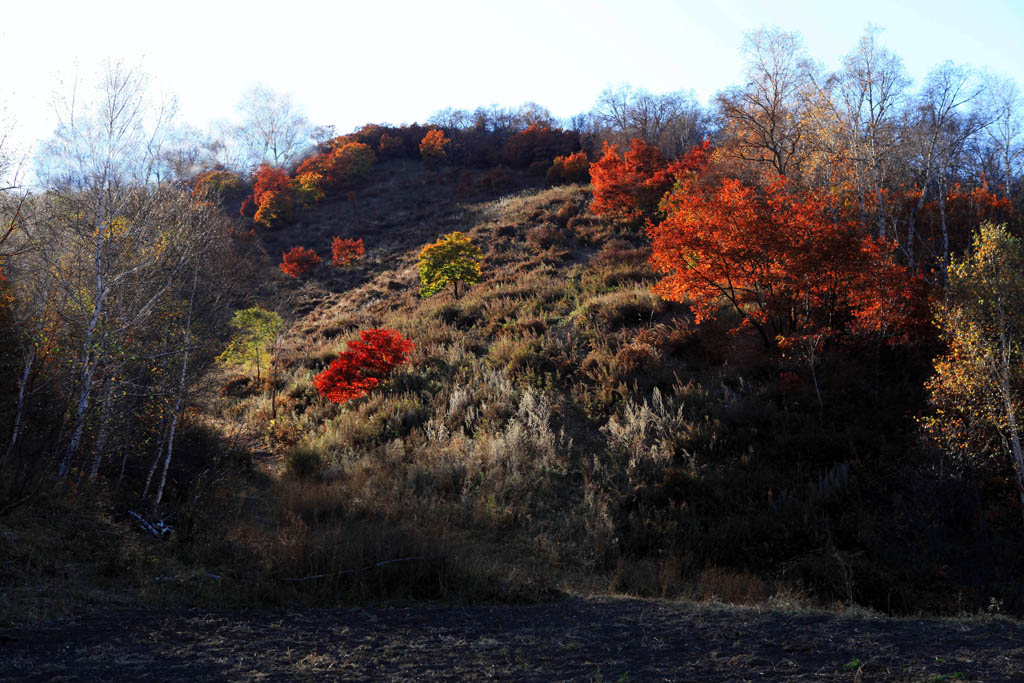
(433, 147)
(451, 259)
(217, 183)
(574, 168)
(632, 185)
(781, 261)
(349, 161)
(364, 365)
(273, 197)
(346, 251)
(299, 261)
(345, 163)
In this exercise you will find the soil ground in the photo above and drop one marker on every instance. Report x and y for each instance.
(606, 639)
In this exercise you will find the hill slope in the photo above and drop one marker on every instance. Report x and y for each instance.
(561, 426)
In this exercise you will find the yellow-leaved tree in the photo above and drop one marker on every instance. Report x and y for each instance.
(978, 387)
(451, 259)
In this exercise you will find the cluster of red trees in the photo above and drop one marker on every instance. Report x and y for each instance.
(787, 261)
(793, 262)
(363, 365)
(632, 185)
(343, 162)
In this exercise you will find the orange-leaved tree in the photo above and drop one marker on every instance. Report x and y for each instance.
(346, 251)
(433, 146)
(299, 261)
(273, 197)
(632, 185)
(363, 365)
(349, 161)
(574, 168)
(781, 260)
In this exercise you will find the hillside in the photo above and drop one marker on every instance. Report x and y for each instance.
(560, 428)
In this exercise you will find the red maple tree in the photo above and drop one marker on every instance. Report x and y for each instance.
(363, 365)
(782, 260)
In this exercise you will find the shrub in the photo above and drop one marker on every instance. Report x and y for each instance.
(346, 251)
(362, 367)
(272, 197)
(310, 187)
(543, 236)
(498, 178)
(299, 261)
(270, 179)
(303, 463)
(574, 168)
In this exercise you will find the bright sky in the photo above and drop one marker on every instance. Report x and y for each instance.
(350, 63)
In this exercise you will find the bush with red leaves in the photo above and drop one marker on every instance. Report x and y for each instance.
(364, 365)
(299, 261)
(347, 251)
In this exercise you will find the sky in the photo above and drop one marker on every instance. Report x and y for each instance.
(349, 63)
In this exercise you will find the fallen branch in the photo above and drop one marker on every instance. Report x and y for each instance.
(158, 528)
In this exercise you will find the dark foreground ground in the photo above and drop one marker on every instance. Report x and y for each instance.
(598, 639)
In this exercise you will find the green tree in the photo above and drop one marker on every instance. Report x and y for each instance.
(453, 258)
(978, 386)
(257, 330)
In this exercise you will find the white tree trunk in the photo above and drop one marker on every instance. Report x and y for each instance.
(181, 390)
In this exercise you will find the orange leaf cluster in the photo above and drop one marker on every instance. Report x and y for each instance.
(347, 251)
(273, 197)
(346, 161)
(364, 365)
(632, 185)
(299, 261)
(432, 146)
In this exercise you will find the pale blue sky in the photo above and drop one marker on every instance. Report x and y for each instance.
(350, 63)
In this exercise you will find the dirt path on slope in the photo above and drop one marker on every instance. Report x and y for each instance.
(597, 639)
